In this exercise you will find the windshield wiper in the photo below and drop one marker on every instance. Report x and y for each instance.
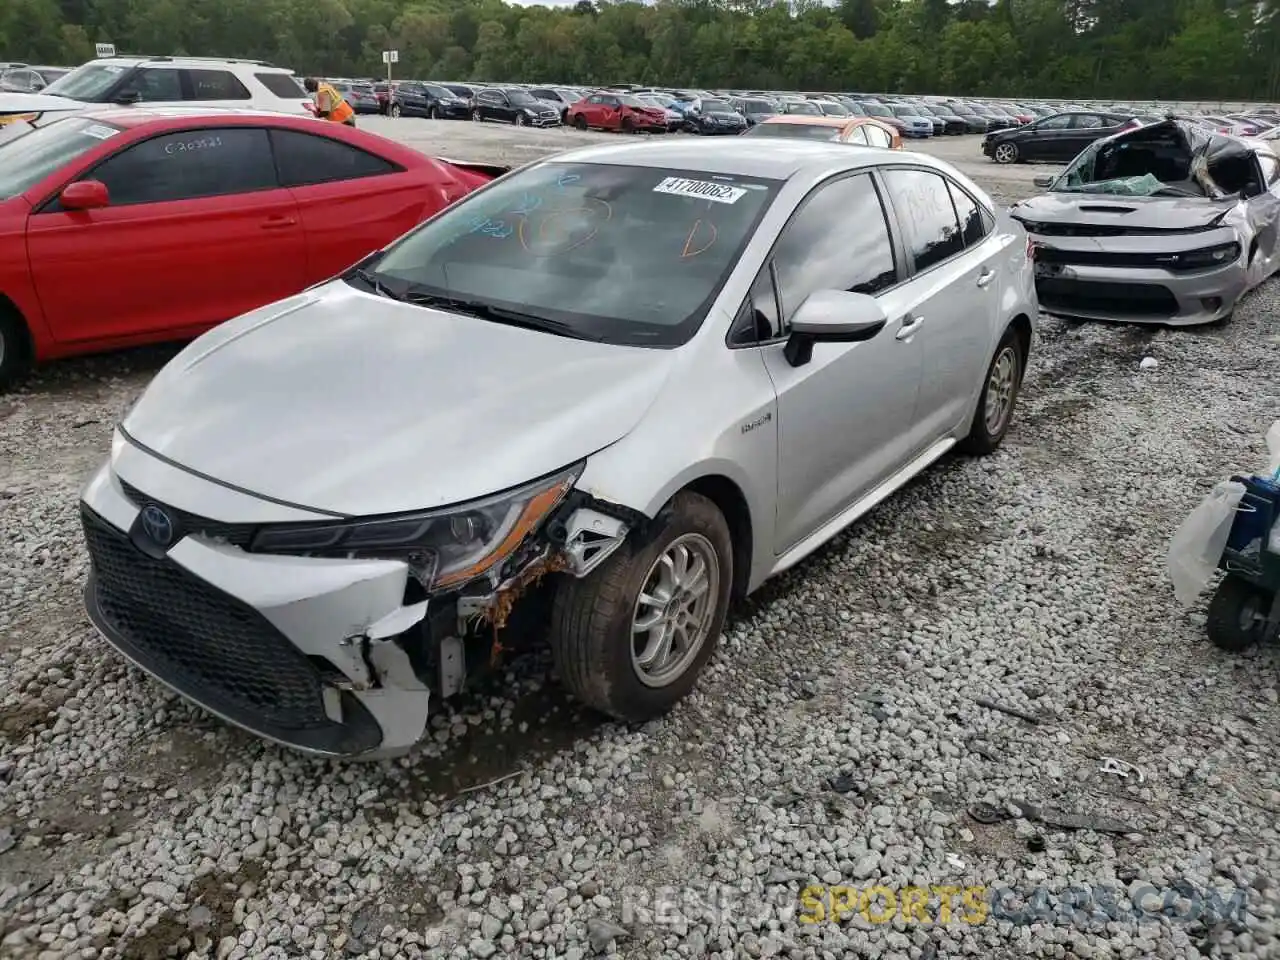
(495, 314)
(378, 287)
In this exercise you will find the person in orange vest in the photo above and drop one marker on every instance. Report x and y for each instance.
(329, 103)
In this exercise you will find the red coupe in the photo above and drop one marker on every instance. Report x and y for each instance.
(133, 225)
(616, 111)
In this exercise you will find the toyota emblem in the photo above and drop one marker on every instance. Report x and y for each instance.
(157, 525)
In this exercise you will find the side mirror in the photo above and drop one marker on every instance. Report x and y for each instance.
(1043, 182)
(832, 316)
(84, 195)
(126, 97)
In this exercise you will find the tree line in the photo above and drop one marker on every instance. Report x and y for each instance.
(1113, 49)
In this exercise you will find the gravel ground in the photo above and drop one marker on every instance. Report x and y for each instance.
(836, 740)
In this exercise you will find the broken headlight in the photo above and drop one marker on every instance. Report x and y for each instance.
(445, 547)
(1214, 256)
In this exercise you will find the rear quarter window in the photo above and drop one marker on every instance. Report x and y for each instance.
(280, 84)
(305, 159)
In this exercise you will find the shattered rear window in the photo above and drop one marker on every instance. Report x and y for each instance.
(624, 254)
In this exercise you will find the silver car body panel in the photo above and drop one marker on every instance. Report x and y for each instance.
(338, 403)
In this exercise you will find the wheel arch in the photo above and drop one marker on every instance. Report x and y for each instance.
(732, 504)
(1021, 325)
(8, 308)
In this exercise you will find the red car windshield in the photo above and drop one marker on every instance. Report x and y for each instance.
(29, 157)
(622, 254)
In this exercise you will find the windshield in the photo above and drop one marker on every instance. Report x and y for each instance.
(31, 156)
(904, 111)
(805, 108)
(90, 82)
(833, 110)
(439, 92)
(921, 111)
(716, 106)
(758, 106)
(793, 131)
(623, 254)
(521, 98)
(876, 110)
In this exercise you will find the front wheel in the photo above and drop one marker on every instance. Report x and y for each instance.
(1006, 153)
(631, 638)
(15, 355)
(475, 115)
(395, 109)
(1237, 617)
(628, 126)
(580, 122)
(999, 395)
(520, 120)
(433, 113)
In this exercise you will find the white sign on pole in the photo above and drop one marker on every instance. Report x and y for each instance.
(390, 56)
(104, 49)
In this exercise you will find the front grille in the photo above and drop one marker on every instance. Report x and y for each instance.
(212, 647)
(1090, 296)
(1103, 258)
(238, 534)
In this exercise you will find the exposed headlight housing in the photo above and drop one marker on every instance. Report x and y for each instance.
(1214, 256)
(444, 548)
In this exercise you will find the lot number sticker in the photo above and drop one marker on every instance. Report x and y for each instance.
(700, 189)
(99, 132)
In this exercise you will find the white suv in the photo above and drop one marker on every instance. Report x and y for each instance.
(165, 81)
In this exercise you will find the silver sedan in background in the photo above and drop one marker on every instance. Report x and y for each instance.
(622, 386)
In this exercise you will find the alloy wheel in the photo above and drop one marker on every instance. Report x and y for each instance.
(675, 610)
(1006, 153)
(1000, 390)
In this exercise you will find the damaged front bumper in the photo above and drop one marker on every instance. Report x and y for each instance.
(334, 657)
(1179, 280)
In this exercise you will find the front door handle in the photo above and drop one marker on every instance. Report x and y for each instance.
(278, 223)
(910, 325)
(986, 276)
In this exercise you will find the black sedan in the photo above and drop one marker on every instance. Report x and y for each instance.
(710, 116)
(414, 99)
(973, 122)
(513, 105)
(1059, 137)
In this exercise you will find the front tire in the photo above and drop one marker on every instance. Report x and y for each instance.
(15, 352)
(579, 122)
(1237, 615)
(475, 115)
(628, 126)
(1005, 153)
(999, 397)
(520, 120)
(631, 638)
(395, 109)
(433, 113)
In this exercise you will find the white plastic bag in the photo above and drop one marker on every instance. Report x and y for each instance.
(1198, 543)
(1273, 450)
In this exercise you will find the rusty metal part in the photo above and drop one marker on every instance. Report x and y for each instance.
(505, 597)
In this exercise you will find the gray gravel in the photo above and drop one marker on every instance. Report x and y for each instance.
(835, 740)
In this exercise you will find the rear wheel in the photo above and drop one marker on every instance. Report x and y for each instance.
(395, 109)
(475, 115)
(15, 347)
(631, 638)
(1237, 615)
(580, 122)
(999, 395)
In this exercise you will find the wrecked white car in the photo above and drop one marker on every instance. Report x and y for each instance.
(1168, 223)
(590, 402)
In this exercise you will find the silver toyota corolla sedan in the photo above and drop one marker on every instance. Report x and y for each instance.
(622, 386)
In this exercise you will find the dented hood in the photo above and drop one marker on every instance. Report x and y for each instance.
(347, 402)
(1128, 213)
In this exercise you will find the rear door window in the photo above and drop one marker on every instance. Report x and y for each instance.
(923, 206)
(305, 159)
(974, 226)
(189, 165)
(216, 85)
(281, 84)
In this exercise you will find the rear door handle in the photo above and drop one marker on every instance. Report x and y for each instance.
(986, 276)
(278, 222)
(909, 327)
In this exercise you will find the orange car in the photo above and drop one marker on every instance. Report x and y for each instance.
(866, 131)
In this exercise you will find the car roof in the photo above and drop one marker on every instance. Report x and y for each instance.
(770, 157)
(809, 120)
